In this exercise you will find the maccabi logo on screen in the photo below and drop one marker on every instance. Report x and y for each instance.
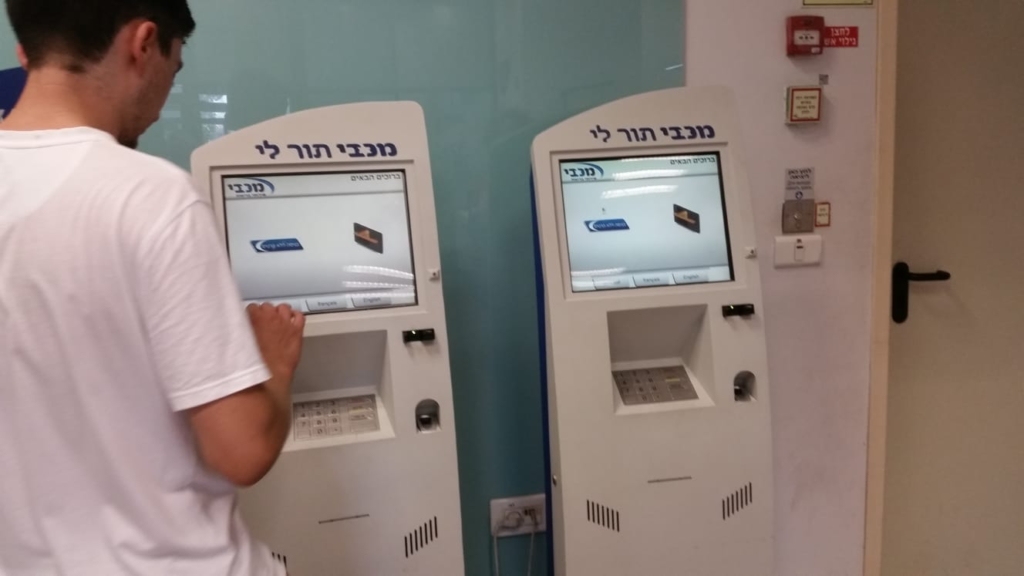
(583, 172)
(613, 225)
(277, 245)
(251, 187)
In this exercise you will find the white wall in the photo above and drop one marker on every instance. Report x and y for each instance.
(818, 318)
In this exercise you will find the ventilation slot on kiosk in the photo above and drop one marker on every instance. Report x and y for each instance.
(603, 516)
(420, 537)
(737, 501)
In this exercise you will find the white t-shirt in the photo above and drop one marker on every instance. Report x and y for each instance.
(117, 313)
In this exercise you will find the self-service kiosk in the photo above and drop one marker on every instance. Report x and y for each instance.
(656, 373)
(332, 212)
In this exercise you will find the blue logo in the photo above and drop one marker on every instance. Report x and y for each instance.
(607, 225)
(254, 186)
(584, 171)
(279, 245)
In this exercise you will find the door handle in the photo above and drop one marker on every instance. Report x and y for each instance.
(901, 279)
(940, 276)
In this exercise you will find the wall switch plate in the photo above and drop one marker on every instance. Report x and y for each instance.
(518, 516)
(798, 216)
(791, 251)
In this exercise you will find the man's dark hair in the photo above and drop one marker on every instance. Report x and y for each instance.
(81, 31)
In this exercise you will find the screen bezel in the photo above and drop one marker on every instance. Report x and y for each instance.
(224, 175)
(558, 161)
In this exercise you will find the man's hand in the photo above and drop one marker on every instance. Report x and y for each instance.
(242, 435)
(279, 335)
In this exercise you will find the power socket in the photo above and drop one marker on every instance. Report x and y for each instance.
(519, 516)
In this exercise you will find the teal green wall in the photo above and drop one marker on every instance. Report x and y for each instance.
(7, 43)
(491, 74)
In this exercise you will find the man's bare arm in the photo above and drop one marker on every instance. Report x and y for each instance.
(242, 435)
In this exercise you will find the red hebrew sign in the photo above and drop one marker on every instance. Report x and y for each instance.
(842, 36)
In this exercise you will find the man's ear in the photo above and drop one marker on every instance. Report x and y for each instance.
(22, 57)
(143, 40)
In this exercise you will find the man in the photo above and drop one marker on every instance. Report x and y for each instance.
(133, 395)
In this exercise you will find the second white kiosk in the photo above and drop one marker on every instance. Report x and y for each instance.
(332, 211)
(659, 422)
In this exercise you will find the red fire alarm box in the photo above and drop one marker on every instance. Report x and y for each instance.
(805, 35)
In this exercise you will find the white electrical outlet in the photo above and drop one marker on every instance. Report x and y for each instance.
(793, 251)
(518, 516)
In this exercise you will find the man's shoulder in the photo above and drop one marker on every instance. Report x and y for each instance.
(145, 179)
(129, 165)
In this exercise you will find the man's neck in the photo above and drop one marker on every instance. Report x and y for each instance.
(54, 99)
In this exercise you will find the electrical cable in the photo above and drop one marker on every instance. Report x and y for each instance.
(497, 561)
(513, 521)
(509, 522)
(533, 536)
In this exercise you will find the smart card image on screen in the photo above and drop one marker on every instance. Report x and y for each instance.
(326, 242)
(645, 222)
